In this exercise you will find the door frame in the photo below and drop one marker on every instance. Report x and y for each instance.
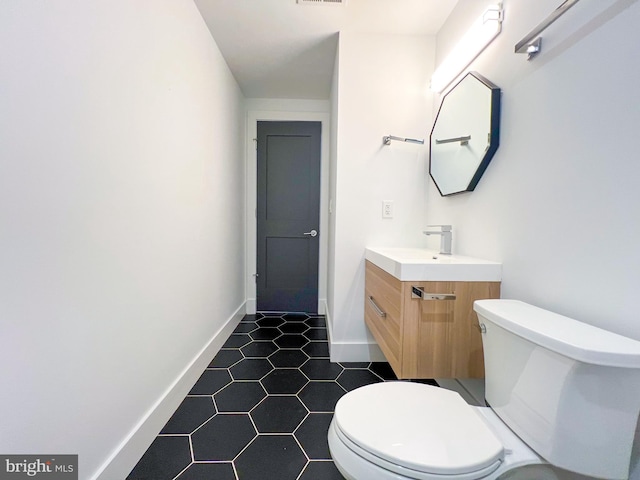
(253, 117)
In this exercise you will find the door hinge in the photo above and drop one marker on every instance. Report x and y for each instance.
(255, 141)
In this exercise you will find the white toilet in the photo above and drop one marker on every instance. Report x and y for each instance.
(560, 392)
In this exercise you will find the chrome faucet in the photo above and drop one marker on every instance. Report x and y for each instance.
(445, 237)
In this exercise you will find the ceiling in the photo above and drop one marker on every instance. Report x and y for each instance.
(282, 49)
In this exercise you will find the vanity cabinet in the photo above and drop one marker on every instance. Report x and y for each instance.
(436, 336)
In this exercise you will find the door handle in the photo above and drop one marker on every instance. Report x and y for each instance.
(312, 233)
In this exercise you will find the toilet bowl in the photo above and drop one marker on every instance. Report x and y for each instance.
(404, 430)
(561, 393)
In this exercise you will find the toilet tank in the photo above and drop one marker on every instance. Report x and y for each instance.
(570, 390)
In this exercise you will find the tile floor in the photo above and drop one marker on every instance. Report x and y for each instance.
(262, 408)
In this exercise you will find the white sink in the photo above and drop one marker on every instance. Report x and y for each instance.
(419, 264)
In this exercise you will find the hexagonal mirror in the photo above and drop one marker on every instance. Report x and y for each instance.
(465, 135)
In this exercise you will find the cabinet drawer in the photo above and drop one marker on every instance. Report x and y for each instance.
(383, 313)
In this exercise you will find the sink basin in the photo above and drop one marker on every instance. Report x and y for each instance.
(419, 264)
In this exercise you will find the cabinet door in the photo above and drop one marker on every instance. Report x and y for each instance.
(383, 313)
(429, 342)
(441, 336)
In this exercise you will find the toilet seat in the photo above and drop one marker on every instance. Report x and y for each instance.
(417, 431)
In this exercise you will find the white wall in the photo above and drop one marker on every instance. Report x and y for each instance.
(559, 205)
(333, 167)
(383, 89)
(121, 135)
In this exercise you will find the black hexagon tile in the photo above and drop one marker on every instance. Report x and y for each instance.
(312, 435)
(210, 382)
(355, 364)
(266, 333)
(321, 369)
(316, 334)
(271, 457)
(207, 471)
(165, 458)
(222, 438)
(226, 358)
(251, 369)
(237, 340)
(321, 470)
(320, 396)
(278, 414)
(316, 322)
(288, 358)
(192, 412)
(383, 370)
(296, 327)
(291, 341)
(239, 397)
(245, 327)
(295, 317)
(316, 349)
(284, 381)
(259, 349)
(352, 379)
(270, 322)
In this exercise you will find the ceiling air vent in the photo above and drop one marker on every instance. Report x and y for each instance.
(322, 2)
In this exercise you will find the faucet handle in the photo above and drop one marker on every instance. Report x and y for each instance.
(443, 228)
(445, 237)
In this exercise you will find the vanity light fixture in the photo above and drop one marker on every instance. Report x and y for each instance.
(481, 33)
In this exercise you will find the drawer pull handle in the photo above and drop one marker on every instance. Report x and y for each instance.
(378, 310)
(417, 292)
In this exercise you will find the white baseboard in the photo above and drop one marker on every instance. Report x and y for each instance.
(328, 320)
(350, 351)
(129, 452)
(355, 352)
(251, 306)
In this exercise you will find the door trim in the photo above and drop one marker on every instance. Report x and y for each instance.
(251, 186)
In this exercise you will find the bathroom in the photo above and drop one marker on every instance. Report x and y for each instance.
(98, 205)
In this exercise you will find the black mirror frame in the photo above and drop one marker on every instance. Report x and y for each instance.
(494, 134)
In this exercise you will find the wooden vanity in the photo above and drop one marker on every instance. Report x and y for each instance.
(427, 329)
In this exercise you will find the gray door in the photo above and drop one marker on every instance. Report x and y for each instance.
(288, 216)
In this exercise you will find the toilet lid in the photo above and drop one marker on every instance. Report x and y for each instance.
(417, 426)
